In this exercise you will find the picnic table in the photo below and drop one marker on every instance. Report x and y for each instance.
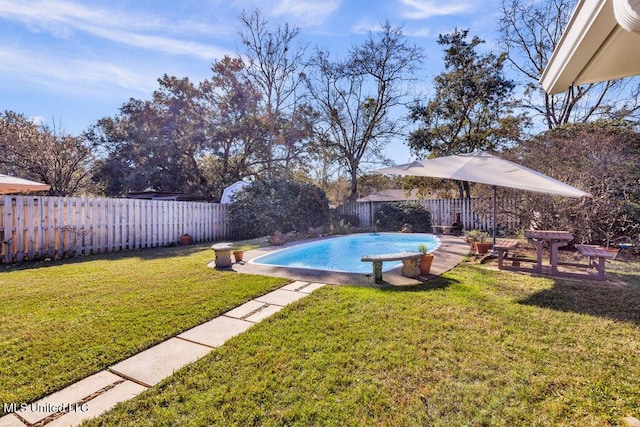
(555, 239)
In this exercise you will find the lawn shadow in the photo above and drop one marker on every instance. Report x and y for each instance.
(611, 300)
(148, 254)
(435, 283)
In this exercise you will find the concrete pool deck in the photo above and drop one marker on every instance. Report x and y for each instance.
(451, 251)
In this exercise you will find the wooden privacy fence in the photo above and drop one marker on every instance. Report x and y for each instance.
(58, 227)
(474, 213)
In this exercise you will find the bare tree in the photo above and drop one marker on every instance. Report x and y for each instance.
(276, 64)
(45, 154)
(530, 32)
(354, 97)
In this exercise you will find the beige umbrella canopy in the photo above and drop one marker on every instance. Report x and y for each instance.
(485, 168)
(488, 169)
(11, 185)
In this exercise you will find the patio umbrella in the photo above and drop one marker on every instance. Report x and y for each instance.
(485, 168)
(11, 184)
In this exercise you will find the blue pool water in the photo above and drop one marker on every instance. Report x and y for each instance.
(343, 253)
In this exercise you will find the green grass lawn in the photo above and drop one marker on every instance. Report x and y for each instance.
(472, 347)
(62, 321)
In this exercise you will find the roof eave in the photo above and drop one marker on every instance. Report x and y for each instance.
(589, 26)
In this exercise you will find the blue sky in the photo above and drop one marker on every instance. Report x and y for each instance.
(73, 62)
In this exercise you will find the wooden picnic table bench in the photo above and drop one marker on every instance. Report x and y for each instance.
(503, 246)
(594, 251)
(410, 262)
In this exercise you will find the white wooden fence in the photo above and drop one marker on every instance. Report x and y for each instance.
(476, 213)
(58, 227)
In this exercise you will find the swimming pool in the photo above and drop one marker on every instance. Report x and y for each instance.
(342, 254)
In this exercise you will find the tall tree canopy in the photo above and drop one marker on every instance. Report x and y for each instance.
(530, 31)
(154, 144)
(470, 108)
(355, 97)
(198, 139)
(234, 125)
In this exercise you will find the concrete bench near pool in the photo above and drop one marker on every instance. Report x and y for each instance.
(409, 260)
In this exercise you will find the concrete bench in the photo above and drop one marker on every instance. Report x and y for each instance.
(594, 251)
(503, 246)
(442, 229)
(223, 254)
(410, 263)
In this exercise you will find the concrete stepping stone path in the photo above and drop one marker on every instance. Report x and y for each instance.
(153, 365)
(100, 392)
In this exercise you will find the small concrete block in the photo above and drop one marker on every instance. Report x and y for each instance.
(312, 287)
(245, 309)
(632, 421)
(11, 421)
(410, 268)
(264, 313)
(98, 405)
(153, 365)
(48, 405)
(216, 332)
(281, 297)
(295, 286)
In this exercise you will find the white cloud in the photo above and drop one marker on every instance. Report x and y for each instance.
(77, 76)
(364, 27)
(309, 12)
(419, 9)
(63, 19)
(306, 12)
(420, 32)
(37, 120)
(158, 43)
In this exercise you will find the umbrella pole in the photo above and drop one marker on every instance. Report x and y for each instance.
(494, 216)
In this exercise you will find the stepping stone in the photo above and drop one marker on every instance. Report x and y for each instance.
(312, 287)
(264, 313)
(295, 286)
(99, 404)
(11, 421)
(281, 297)
(216, 332)
(245, 309)
(70, 395)
(153, 365)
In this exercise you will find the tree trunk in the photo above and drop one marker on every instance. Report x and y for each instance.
(354, 186)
